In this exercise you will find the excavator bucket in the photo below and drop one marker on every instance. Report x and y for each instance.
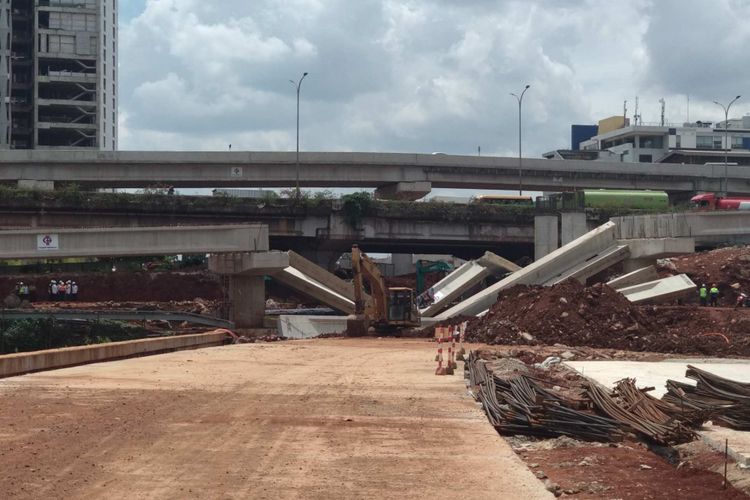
(356, 326)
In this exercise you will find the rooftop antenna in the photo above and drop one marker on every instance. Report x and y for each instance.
(624, 112)
(663, 105)
(636, 116)
(688, 108)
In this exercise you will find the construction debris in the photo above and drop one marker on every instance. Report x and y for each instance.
(725, 401)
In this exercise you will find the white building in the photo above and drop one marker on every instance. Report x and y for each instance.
(699, 142)
(58, 76)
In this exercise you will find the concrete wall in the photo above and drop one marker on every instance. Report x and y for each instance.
(573, 225)
(706, 228)
(17, 364)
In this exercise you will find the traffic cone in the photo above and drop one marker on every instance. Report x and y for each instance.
(452, 365)
(440, 368)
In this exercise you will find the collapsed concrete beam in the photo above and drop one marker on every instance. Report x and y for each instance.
(411, 191)
(322, 276)
(301, 282)
(464, 278)
(659, 290)
(131, 241)
(312, 326)
(642, 275)
(593, 266)
(585, 248)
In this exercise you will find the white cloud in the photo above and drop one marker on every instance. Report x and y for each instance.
(417, 75)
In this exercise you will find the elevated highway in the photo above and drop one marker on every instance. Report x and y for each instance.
(394, 174)
(320, 232)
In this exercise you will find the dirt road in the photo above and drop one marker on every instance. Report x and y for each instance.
(316, 419)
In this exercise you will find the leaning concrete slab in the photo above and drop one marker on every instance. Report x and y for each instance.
(660, 290)
(322, 276)
(642, 275)
(294, 278)
(127, 241)
(595, 265)
(464, 278)
(587, 247)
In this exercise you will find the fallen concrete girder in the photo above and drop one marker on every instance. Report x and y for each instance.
(642, 275)
(464, 278)
(592, 266)
(598, 242)
(301, 282)
(659, 290)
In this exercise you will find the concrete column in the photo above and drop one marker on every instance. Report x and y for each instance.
(545, 235)
(572, 226)
(247, 300)
(402, 264)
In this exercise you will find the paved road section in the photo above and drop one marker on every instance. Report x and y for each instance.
(310, 419)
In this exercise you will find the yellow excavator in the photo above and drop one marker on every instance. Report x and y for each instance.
(387, 309)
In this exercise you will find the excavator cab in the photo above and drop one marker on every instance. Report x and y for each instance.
(402, 307)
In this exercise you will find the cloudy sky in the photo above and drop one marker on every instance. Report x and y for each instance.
(418, 75)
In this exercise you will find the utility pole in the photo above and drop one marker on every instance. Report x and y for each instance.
(520, 155)
(726, 141)
(298, 85)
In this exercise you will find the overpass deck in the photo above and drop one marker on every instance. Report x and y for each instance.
(360, 170)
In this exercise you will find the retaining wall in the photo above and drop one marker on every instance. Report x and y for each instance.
(27, 362)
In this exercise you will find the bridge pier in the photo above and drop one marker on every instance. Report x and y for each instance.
(411, 191)
(573, 225)
(545, 235)
(247, 300)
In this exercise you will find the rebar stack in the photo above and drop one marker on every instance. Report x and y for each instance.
(724, 401)
(518, 404)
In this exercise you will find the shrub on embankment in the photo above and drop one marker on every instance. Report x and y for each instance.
(46, 333)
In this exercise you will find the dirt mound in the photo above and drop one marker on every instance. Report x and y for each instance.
(599, 317)
(723, 266)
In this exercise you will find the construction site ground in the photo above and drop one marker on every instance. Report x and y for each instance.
(336, 418)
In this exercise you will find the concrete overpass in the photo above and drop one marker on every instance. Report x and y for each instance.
(320, 233)
(393, 174)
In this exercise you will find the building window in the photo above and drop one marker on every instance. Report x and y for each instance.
(645, 159)
(678, 141)
(737, 142)
(708, 142)
(651, 142)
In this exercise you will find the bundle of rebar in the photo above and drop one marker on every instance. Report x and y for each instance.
(519, 404)
(640, 414)
(724, 401)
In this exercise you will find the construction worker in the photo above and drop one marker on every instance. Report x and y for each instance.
(68, 290)
(741, 300)
(713, 294)
(54, 290)
(74, 291)
(61, 290)
(703, 294)
(49, 290)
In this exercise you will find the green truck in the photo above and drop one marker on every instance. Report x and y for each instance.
(605, 199)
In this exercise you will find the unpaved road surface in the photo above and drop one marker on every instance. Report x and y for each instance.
(314, 419)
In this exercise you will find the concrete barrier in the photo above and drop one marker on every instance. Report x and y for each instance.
(27, 362)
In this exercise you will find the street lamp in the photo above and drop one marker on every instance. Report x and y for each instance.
(298, 85)
(726, 141)
(520, 157)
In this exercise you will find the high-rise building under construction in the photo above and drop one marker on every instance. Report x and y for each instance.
(58, 74)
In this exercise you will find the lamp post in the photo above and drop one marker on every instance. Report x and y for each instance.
(520, 156)
(298, 85)
(726, 141)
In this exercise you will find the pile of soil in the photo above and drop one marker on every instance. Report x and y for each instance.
(599, 317)
(723, 266)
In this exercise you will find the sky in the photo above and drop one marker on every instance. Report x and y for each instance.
(419, 75)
